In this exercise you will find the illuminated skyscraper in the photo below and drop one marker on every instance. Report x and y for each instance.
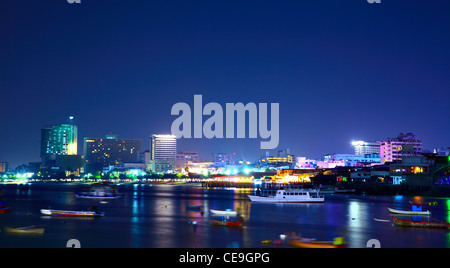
(164, 147)
(163, 154)
(58, 140)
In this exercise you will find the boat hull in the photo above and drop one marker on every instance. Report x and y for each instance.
(25, 231)
(4, 210)
(308, 243)
(65, 213)
(227, 223)
(273, 199)
(421, 224)
(404, 212)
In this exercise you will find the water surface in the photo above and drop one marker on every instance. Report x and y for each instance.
(157, 217)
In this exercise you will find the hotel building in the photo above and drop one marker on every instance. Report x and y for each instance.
(100, 153)
(163, 153)
(405, 145)
(58, 140)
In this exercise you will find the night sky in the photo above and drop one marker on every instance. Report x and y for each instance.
(340, 70)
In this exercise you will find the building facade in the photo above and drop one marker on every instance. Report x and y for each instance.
(224, 158)
(163, 153)
(405, 145)
(100, 153)
(352, 160)
(364, 147)
(58, 141)
(184, 158)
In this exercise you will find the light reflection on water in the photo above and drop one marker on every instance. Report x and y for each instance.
(158, 217)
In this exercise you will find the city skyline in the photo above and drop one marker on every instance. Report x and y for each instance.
(341, 71)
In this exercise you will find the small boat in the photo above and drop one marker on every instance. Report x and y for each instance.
(421, 224)
(300, 242)
(224, 212)
(5, 210)
(408, 212)
(67, 213)
(227, 222)
(31, 230)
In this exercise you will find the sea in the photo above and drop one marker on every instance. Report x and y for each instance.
(157, 216)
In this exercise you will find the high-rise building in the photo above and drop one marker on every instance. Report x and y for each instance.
(405, 145)
(163, 153)
(164, 147)
(363, 147)
(110, 151)
(58, 140)
(3, 167)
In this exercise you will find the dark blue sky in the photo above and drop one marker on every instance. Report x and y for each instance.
(341, 70)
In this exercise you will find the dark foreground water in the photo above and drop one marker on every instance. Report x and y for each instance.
(156, 217)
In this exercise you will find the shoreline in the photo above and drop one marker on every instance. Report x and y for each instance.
(360, 189)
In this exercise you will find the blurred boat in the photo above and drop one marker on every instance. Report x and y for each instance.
(3, 208)
(100, 192)
(228, 222)
(224, 212)
(408, 212)
(67, 213)
(421, 224)
(300, 242)
(31, 230)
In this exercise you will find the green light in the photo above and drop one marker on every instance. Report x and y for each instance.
(448, 207)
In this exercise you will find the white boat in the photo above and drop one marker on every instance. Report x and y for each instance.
(407, 212)
(224, 212)
(290, 196)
